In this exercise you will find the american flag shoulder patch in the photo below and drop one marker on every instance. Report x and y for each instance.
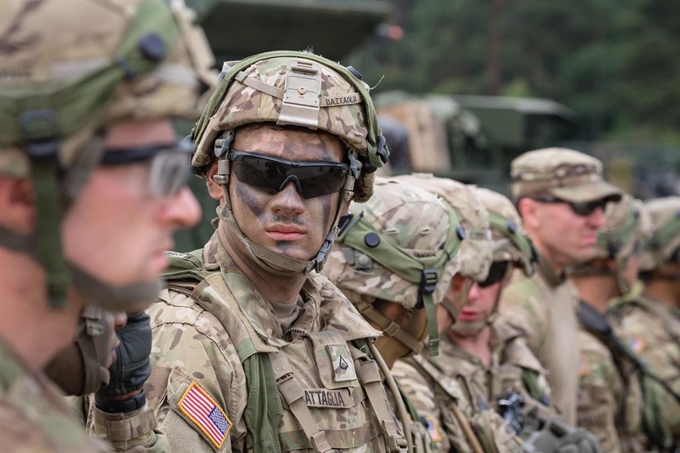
(201, 409)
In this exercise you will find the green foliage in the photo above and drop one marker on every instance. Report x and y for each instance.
(615, 63)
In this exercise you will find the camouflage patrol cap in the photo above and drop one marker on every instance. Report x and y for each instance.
(69, 67)
(510, 241)
(295, 89)
(563, 173)
(664, 241)
(401, 246)
(476, 250)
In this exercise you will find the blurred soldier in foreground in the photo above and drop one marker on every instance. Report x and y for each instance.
(394, 260)
(254, 349)
(91, 190)
(617, 402)
(651, 317)
(560, 195)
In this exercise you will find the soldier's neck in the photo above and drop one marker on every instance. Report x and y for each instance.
(476, 344)
(665, 290)
(33, 330)
(596, 290)
(275, 288)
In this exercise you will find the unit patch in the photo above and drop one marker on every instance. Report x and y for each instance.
(341, 360)
(327, 398)
(205, 413)
(637, 345)
(433, 428)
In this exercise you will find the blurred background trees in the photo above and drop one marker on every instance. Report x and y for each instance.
(616, 63)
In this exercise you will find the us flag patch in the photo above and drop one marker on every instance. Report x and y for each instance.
(205, 413)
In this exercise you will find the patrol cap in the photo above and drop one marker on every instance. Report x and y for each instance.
(510, 241)
(563, 173)
(476, 249)
(664, 214)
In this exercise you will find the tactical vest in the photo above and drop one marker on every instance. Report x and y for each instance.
(317, 392)
(482, 427)
(633, 373)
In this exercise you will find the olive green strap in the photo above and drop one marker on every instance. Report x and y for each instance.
(263, 412)
(389, 327)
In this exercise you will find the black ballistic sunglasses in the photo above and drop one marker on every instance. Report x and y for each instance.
(496, 273)
(580, 209)
(271, 174)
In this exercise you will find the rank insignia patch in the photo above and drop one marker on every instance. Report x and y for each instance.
(205, 413)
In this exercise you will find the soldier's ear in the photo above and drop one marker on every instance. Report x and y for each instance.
(529, 210)
(17, 204)
(214, 189)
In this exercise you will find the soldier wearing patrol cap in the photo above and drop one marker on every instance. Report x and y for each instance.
(650, 315)
(91, 190)
(254, 349)
(394, 259)
(560, 195)
(618, 402)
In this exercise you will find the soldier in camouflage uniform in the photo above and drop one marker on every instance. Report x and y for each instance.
(611, 399)
(91, 189)
(560, 195)
(394, 260)
(493, 356)
(650, 315)
(254, 349)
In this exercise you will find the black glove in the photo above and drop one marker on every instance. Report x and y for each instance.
(132, 366)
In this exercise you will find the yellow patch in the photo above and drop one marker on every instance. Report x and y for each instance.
(207, 415)
(433, 428)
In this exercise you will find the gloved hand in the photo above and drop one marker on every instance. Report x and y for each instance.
(132, 366)
(558, 437)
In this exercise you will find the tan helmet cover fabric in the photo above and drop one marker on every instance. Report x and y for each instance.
(476, 249)
(504, 249)
(564, 173)
(293, 91)
(412, 219)
(55, 43)
(664, 215)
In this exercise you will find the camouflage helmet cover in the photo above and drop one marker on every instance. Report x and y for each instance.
(510, 241)
(563, 173)
(88, 64)
(416, 222)
(476, 249)
(627, 222)
(299, 89)
(664, 214)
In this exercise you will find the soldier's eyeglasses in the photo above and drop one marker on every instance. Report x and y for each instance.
(583, 209)
(271, 174)
(169, 168)
(496, 273)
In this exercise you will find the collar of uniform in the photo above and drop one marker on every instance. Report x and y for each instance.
(509, 347)
(549, 275)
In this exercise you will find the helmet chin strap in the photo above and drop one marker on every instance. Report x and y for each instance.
(273, 262)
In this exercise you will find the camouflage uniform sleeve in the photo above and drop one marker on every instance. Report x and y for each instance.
(650, 341)
(416, 387)
(193, 353)
(523, 307)
(599, 390)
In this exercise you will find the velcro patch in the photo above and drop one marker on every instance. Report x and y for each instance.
(328, 398)
(205, 413)
(637, 345)
(341, 360)
(433, 428)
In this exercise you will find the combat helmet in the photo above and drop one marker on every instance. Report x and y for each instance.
(476, 250)
(627, 225)
(63, 79)
(664, 241)
(510, 245)
(401, 246)
(291, 89)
